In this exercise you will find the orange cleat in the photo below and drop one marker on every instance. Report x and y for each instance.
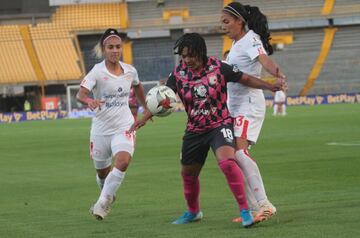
(239, 220)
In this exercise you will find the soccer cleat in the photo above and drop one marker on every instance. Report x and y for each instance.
(101, 208)
(266, 211)
(188, 217)
(239, 219)
(91, 209)
(247, 219)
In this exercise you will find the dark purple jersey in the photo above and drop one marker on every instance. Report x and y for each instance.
(203, 93)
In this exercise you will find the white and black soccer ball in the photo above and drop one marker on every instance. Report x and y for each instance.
(161, 101)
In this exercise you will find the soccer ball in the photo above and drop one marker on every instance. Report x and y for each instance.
(161, 100)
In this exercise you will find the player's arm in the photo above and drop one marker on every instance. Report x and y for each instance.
(234, 75)
(140, 94)
(147, 114)
(83, 97)
(270, 66)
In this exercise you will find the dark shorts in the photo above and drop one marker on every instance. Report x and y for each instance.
(196, 146)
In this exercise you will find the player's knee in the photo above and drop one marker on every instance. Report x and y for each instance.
(102, 173)
(227, 165)
(122, 164)
(243, 158)
(240, 155)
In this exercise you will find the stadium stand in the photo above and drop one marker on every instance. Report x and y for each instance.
(153, 58)
(317, 67)
(92, 16)
(341, 71)
(298, 58)
(144, 14)
(57, 52)
(346, 8)
(15, 65)
(213, 43)
(288, 9)
(56, 47)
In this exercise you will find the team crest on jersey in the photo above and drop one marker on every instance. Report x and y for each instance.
(200, 91)
(120, 89)
(212, 78)
(235, 68)
(182, 73)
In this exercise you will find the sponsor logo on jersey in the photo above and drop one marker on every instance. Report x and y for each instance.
(256, 41)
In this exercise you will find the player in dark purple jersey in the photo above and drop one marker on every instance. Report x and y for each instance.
(200, 82)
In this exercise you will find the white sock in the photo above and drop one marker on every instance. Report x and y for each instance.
(250, 198)
(100, 181)
(252, 174)
(112, 184)
(283, 111)
(275, 109)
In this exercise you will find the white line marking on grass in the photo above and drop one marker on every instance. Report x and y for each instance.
(351, 143)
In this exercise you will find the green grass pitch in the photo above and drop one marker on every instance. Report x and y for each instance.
(47, 182)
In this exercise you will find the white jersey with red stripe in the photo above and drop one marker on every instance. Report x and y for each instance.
(245, 103)
(244, 55)
(114, 115)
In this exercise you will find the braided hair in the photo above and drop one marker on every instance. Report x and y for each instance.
(255, 20)
(195, 43)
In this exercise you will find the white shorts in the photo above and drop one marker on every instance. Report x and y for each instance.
(104, 147)
(279, 97)
(248, 127)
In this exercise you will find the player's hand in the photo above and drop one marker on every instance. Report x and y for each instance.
(95, 103)
(280, 84)
(147, 114)
(136, 125)
(140, 123)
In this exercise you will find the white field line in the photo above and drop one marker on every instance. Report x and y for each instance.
(350, 143)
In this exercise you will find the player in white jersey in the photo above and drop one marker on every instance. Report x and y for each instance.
(247, 26)
(279, 103)
(110, 82)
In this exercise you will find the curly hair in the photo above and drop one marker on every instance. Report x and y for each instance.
(195, 44)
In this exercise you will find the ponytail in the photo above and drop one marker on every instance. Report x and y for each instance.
(255, 20)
